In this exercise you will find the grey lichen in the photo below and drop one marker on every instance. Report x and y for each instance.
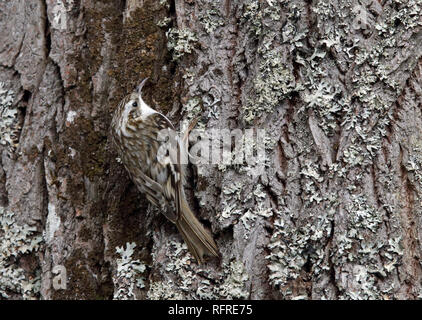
(274, 78)
(192, 108)
(362, 215)
(325, 101)
(414, 166)
(291, 247)
(165, 3)
(161, 290)
(343, 76)
(16, 240)
(128, 273)
(260, 209)
(180, 41)
(211, 20)
(313, 178)
(247, 214)
(380, 66)
(366, 285)
(9, 122)
(273, 83)
(179, 266)
(164, 22)
(234, 285)
(362, 268)
(253, 16)
(181, 274)
(205, 290)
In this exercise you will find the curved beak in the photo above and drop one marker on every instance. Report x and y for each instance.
(139, 87)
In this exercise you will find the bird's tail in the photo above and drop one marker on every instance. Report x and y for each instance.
(199, 241)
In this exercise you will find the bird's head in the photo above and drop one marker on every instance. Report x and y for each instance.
(135, 106)
(130, 108)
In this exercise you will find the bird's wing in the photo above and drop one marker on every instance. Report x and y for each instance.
(164, 181)
(175, 166)
(154, 193)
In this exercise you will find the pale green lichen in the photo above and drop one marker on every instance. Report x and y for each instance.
(165, 3)
(161, 290)
(234, 285)
(365, 267)
(178, 265)
(128, 273)
(414, 166)
(362, 215)
(273, 83)
(291, 247)
(312, 174)
(253, 16)
(180, 259)
(376, 69)
(16, 240)
(260, 208)
(274, 80)
(325, 101)
(366, 288)
(181, 275)
(229, 210)
(359, 252)
(230, 206)
(273, 11)
(180, 41)
(233, 189)
(202, 107)
(9, 123)
(192, 108)
(205, 290)
(211, 20)
(164, 22)
(362, 111)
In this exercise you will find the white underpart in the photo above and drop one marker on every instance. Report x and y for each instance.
(125, 116)
(146, 110)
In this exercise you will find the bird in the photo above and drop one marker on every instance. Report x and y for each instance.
(154, 165)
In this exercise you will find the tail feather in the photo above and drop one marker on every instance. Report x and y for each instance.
(198, 240)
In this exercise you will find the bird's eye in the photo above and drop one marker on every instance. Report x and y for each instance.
(134, 104)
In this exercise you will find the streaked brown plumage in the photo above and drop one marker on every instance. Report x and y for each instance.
(135, 127)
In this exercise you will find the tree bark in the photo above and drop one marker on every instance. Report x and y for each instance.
(335, 86)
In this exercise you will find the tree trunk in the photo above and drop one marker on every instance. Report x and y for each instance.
(335, 213)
